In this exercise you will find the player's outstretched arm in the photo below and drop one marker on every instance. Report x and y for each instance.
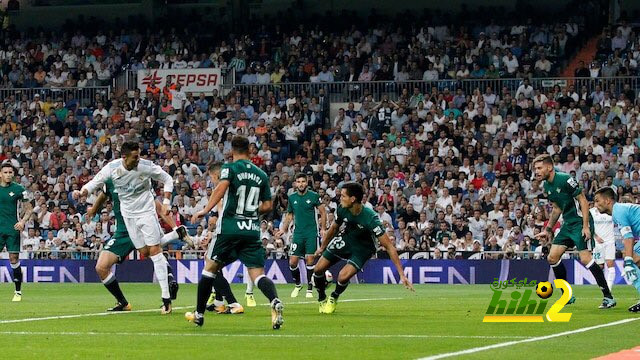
(96, 183)
(285, 224)
(328, 236)
(93, 210)
(215, 197)
(393, 254)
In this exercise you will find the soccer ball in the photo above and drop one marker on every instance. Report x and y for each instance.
(544, 290)
(329, 276)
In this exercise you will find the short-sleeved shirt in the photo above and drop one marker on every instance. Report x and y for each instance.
(362, 229)
(627, 217)
(10, 196)
(563, 191)
(303, 208)
(248, 186)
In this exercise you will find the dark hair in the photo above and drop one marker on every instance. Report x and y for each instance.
(545, 158)
(214, 166)
(301, 175)
(354, 189)
(240, 144)
(607, 192)
(7, 164)
(129, 147)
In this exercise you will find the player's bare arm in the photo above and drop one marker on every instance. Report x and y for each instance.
(288, 218)
(93, 210)
(328, 236)
(28, 209)
(393, 255)
(584, 207)
(215, 197)
(323, 219)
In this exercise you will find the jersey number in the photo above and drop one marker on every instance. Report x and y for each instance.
(337, 243)
(248, 203)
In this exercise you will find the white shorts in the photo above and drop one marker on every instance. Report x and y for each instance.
(604, 251)
(144, 230)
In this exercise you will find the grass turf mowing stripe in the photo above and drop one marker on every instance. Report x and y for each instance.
(528, 340)
(366, 336)
(72, 316)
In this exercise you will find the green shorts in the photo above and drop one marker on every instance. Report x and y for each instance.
(570, 235)
(120, 245)
(340, 248)
(303, 245)
(225, 249)
(11, 241)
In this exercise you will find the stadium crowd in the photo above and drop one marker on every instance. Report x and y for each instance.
(448, 171)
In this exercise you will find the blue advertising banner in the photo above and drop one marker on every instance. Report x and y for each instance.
(376, 271)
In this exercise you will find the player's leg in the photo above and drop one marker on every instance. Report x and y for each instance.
(309, 260)
(178, 232)
(609, 255)
(294, 267)
(219, 253)
(587, 260)
(251, 254)
(14, 259)
(347, 272)
(297, 251)
(209, 273)
(268, 288)
(223, 291)
(148, 227)
(103, 268)
(319, 279)
(250, 299)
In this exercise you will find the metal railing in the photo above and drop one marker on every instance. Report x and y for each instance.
(85, 96)
(355, 91)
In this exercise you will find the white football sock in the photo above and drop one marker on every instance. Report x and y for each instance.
(169, 237)
(249, 287)
(160, 269)
(611, 277)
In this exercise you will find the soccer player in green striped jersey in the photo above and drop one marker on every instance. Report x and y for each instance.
(302, 207)
(569, 201)
(12, 195)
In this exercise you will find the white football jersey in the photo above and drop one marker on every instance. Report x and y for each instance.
(603, 225)
(133, 187)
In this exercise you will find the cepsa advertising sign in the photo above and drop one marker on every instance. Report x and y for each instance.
(192, 80)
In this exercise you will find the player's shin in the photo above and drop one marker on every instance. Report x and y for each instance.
(310, 269)
(204, 290)
(222, 286)
(111, 283)
(559, 270)
(17, 276)
(321, 284)
(295, 273)
(160, 269)
(599, 276)
(611, 276)
(340, 288)
(267, 287)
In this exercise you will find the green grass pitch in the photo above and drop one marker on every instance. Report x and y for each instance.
(371, 322)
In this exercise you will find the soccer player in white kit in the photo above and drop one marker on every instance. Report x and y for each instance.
(132, 177)
(605, 249)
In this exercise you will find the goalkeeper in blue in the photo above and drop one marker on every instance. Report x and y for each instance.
(627, 218)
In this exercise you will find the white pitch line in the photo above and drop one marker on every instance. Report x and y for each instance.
(528, 340)
(73, 316)
(148, 334)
